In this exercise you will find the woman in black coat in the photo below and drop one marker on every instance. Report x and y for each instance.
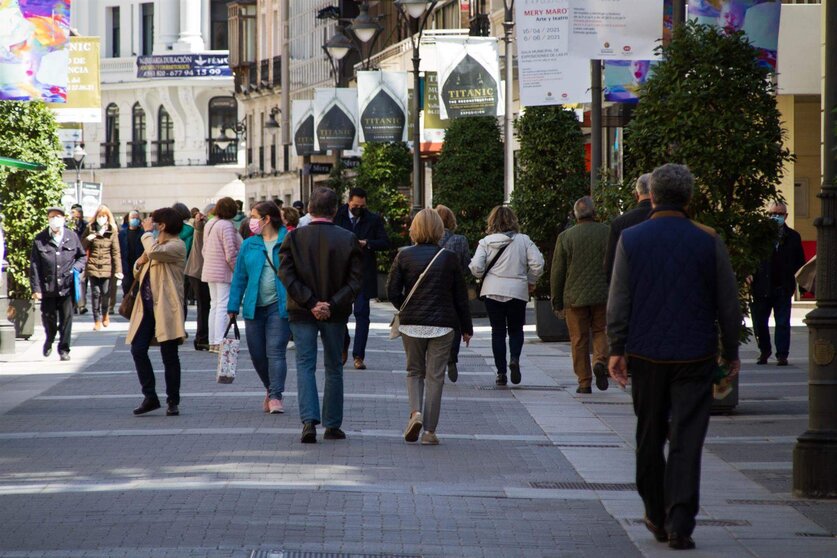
(436, 311)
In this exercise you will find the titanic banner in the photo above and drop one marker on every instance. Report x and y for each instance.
(469, 77)
(382, 105)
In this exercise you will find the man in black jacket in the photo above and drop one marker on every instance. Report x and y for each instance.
(369, 229)
(773, 287)
(321, 268)
(628, 219)
(56, 252)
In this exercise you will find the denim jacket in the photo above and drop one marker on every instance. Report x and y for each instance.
(248, 271)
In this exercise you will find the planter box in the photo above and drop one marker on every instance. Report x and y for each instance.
(548, 327)
(729, 402)
(23, 314)
(382, 287)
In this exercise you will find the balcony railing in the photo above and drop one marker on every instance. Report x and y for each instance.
(252, 76)
(261, 158)
(163, 153)
(218, 156)
(110, 155)
(277, 71)
(137, 154)
(273, 157)
(264, 73)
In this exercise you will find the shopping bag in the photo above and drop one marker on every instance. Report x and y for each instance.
(228, 355)
(76, 286)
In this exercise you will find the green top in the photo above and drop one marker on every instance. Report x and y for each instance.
(578, 277)
(267, 281)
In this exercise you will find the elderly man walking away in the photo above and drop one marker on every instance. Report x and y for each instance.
(628, 219)
(672, 282)
(579, 292)
(322, 270)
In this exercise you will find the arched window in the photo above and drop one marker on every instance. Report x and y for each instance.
(137, 145)
(110, 149)
(165, 138)
(223, 130)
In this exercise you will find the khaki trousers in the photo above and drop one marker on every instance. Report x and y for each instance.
(427, 360)
(582, 322)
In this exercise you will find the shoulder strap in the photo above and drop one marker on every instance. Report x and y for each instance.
(494, 260)
(419, 280)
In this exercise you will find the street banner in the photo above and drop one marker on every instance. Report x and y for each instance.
(549, 74)
(90, 197)
(84, 98)
(615, 29)
(469, 77)
(33, 50)
(433, 127)
(69, 136)
(759, 19)
(382, 104)
(303, 127)
(335, 115)
(622, 79)
(70, 197)
(184, 66)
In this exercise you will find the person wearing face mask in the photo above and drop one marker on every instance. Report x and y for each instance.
(773, 287)
(130, 247)
(77, 223)
(368, 227)
(104, 261)
(265, 311)
(56, 252)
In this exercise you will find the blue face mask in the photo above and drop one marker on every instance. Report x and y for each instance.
(780, 219)
(135, 223)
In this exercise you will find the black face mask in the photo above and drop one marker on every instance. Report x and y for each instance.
(358, 211)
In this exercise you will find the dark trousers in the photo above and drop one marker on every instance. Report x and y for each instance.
(780, 306)
(361, 312)
(127, 281)
(112, 296)
(670, 400)
(168, 350)
(454, 346)
(201, 291)
(100, 296)
(506, 316)
(82, 302)
(57, 317)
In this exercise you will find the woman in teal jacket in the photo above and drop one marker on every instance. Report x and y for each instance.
(264, 307)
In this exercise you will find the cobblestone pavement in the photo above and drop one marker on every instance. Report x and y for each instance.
(534, 471)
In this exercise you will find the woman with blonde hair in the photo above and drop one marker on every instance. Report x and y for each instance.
(426, 284)
(104, 262)
(509, 264)
(221, 244)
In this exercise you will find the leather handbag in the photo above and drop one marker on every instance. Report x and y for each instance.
(396, 318)
(126, 307)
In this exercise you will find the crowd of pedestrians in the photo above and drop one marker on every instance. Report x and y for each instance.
(652, 294)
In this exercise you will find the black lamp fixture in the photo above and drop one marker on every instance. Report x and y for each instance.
(338, 46)
(271, 123)
(226, 135)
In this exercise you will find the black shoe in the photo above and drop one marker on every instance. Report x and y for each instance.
(64, 355)
(584, 390)
(600, 371)
(83, 311)
(309, 433)
(47, 350)
(334, 434)
(514, 366)
(201, 346)
(172, 410)
(781, 361)
(453, 372)
(501, 380)
(679, 542)
(345, 356)
(147, 406)
(658, 532)
(763, 358)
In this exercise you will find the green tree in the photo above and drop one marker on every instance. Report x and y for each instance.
(29, 133)
(711, 105)
(468, 178)
(337, 179)
(383, 171)
(551, 177)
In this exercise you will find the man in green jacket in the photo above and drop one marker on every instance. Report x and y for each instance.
(579, 292)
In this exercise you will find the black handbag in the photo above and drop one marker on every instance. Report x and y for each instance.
(126, 307)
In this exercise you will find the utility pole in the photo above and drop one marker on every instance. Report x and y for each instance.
(595, 123)
(508, 129)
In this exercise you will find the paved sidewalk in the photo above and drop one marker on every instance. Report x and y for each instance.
(533, 471)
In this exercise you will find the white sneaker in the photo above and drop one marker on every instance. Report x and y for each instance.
(411, 434)
(291, 345)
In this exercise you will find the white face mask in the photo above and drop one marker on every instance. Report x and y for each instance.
(57, 223)
(102, 221)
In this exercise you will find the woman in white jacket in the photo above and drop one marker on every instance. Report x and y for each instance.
(509, 264)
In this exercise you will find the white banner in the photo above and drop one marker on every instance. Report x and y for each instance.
(615, 29)
(90, 197)
(335, 118)
(303, 127)
(382, 105)
(549, 75)
(469, 77)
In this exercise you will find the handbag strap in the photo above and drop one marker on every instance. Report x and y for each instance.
(233, 324)
(494, 260)
(419, 280)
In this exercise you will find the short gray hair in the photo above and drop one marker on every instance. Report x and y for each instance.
(642, 186)
(584, 208)
(778, 204)
(672, 184)
(322, 203)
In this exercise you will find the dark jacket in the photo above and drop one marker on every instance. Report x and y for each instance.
(776, 274)
(130, 248)
(441, 299)
(103, 255)
(370, 228)
(628, 219)
(457, 244)
(321, 262)
(672, 282)
(51, 267)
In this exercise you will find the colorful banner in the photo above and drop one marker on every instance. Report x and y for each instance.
(184, 66)
(335, 115)
(433, 127)
(84, 98)
(303, 127)
(33, 50)
(382, 104)
(622, 79)
(759, 19)
(469, 77)
(549, 75)
(615, 29)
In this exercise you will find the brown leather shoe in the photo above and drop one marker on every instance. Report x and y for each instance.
(106, 320)
(97, 326)
(359, 364)
(659, 533)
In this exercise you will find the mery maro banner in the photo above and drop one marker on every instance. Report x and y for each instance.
(303, 126)
(469, 77)
(335, 118)
(615, 29)
(382, 106)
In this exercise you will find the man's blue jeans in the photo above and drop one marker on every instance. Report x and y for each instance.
(780, 305)
(361, 312)
(267, 340)
(305, 337)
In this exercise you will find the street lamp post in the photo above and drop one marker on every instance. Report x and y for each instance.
(78, 156)
(815, 454)
(420, 10)
(508, 131)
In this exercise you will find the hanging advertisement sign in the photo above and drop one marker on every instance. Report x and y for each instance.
(549, 74)
(90, 197)
(382, 104)
(33, 50)
(433, 128)
(70, 197)
(184, 66)
(469, 77)
(84, 98)
(759, 19)
(615, 29)
(335, 115)
(622, 79)
(303, 127)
